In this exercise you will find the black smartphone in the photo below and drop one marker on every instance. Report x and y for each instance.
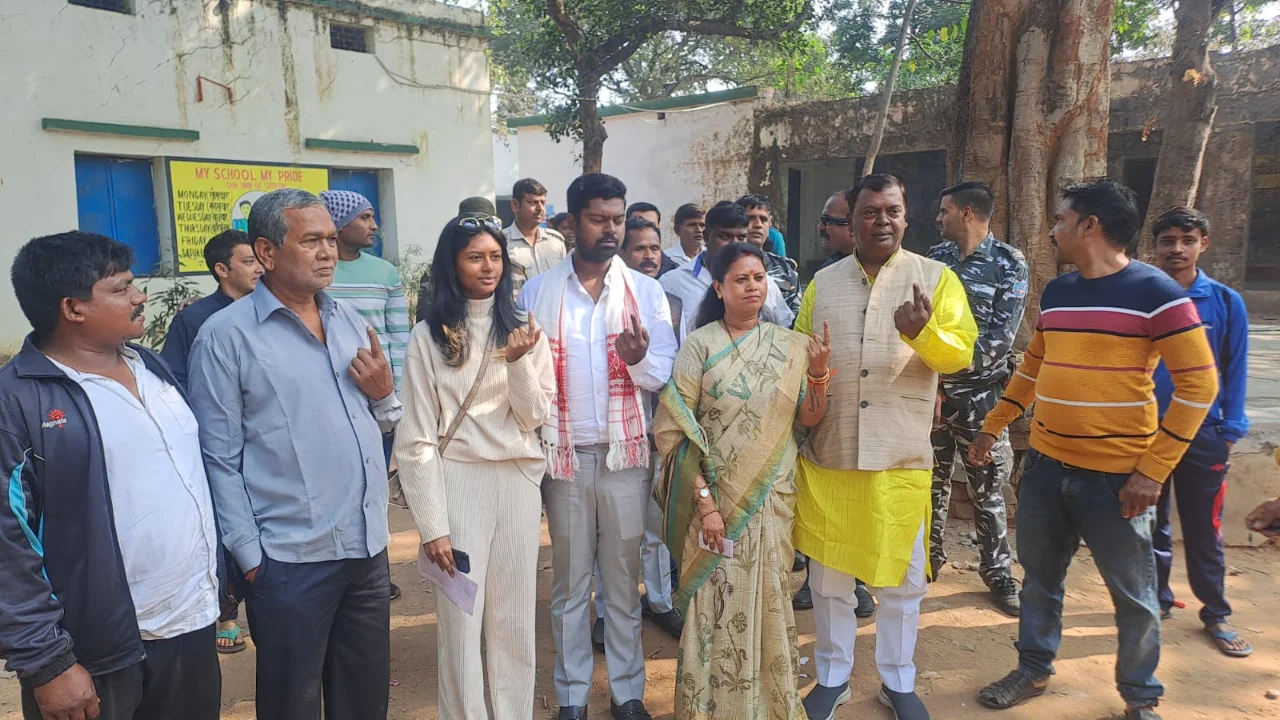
(462, 561)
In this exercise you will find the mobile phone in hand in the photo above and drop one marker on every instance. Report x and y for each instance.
(462, 561)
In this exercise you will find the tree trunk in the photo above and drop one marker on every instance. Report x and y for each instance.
(1188, 116)
(1057, 98)
(984, 103)
(593, 132)
(869, 166)
(1061, 117)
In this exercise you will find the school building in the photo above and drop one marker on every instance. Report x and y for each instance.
(159, 122)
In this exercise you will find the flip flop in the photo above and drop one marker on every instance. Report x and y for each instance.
(233, 634)
(1223, 638)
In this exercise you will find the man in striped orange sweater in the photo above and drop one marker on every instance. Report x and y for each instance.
(1100, 452)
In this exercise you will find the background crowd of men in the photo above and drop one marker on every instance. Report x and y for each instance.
(151, 493)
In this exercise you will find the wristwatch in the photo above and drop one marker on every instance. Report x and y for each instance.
(703, 493)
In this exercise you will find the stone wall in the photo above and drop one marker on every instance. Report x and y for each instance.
(822, 143)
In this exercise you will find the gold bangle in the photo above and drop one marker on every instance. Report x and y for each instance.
(705, 514)
(824, 380)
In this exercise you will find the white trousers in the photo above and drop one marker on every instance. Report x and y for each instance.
(897, 623)
(655, 559)
(495, 515)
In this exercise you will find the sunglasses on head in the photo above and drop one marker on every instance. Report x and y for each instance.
(474, 225)
(828, 220)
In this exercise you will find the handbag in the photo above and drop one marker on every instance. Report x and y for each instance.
(471, 396)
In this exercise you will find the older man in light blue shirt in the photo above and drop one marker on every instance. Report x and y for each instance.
(293, 394)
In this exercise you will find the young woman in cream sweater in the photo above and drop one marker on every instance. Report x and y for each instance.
(480, 494)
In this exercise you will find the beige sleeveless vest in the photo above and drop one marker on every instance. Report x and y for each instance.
(880, 411)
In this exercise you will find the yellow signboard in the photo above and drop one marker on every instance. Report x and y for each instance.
(208, 197)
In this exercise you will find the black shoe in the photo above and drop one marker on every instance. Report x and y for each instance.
(866, 604)
(395, 591)
(905, 706)
(629, 710)
(1012, 689)
(822, 701)
(1004, 591)
(571, 712)
(597, 636)
(803, 599)
(801, 562)
(671, 622)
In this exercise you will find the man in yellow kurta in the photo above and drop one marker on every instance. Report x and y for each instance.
(897, 320)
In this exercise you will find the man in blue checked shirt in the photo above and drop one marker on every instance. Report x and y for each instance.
(1200, 480)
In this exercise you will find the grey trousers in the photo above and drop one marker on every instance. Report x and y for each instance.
(599, 516)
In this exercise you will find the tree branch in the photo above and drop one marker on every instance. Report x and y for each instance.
(721, 29)
(915, 40)
(724, 28)
(617, 49)
(572, 33)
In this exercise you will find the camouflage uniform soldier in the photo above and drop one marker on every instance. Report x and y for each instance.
(783, 270)
(995, 277)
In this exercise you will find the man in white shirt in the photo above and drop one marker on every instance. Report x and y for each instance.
(612, 345)
(533, 248)
(725, 223)
(690, 229)
(112, 575)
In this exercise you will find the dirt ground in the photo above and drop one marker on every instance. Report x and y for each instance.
(964, 643)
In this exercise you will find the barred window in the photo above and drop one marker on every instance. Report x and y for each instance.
(349, 37)
(120, 6)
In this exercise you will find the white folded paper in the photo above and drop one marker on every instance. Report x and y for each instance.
(460, 589)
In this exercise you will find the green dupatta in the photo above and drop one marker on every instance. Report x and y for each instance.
(727, 413)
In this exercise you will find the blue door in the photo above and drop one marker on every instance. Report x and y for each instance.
(115, 197)
(364, 182)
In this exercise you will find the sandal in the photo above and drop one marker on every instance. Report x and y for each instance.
(1142, 713)
(232, 634)
(1014, 688)
(1223, 639)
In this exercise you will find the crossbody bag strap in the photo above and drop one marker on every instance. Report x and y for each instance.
(471, 396)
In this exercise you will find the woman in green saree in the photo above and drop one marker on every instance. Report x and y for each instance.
(725, 430)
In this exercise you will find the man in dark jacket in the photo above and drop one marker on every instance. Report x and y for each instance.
(231, 261)
(108, 540)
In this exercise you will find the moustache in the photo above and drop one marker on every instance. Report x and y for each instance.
(138, 312)
(648, 265)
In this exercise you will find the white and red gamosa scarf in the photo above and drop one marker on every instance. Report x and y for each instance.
(628, 439)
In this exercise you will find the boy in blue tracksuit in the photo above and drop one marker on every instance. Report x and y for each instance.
(1200, 480)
